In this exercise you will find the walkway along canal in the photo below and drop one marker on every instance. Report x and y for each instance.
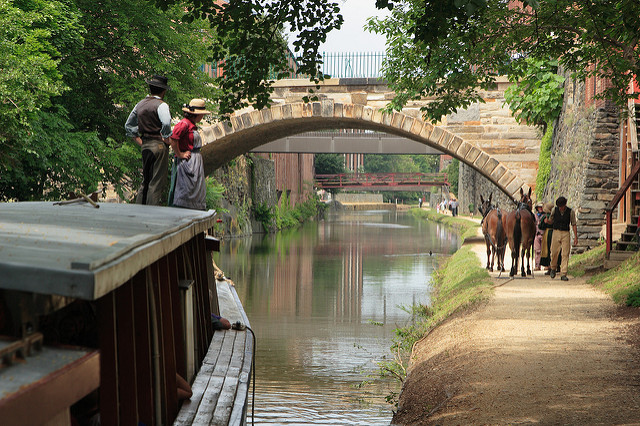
(324, 301)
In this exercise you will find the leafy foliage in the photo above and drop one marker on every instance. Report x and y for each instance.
(215, 194)
(83, 64)
(32, 34)
(453, 173)
(544, 162)
(537, 93)
(329, 164)
(450, 48)
(72, 71)
(288, 216)
(126, 43)
(264, 214)
(383, 163)
(249, 46)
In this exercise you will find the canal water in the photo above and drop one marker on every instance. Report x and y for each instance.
(323, 301)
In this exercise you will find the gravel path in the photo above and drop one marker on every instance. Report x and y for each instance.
(541, 351)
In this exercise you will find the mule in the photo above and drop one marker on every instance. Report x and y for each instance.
(493, 231)
(520, 227)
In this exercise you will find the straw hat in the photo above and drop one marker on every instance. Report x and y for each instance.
(547, 207)
(196, 106)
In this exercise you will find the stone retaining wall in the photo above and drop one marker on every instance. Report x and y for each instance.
(471, 185)
(585, 161)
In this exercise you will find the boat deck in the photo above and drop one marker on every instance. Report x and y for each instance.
(220, 389)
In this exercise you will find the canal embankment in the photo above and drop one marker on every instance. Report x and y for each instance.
(522, 350)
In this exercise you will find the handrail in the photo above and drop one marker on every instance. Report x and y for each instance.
(380, 180)
(614, 203)
(332, 64)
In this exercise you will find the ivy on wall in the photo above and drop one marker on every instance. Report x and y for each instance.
(544, 162)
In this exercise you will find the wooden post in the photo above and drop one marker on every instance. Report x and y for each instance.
(609, 227)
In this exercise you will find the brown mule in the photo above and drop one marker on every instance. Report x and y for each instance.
(520, 227)
(493, 231)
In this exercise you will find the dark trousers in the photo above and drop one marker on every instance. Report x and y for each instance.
(155, 163)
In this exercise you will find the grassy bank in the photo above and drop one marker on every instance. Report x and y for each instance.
(459, 283)
(466, 228)
(621, 283)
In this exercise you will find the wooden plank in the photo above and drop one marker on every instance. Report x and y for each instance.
(209, 381)
(108, 362)
(239, 410)
(180, 355)
(75, 375)
(226, 354)
(221, 388)
(40, 244)
(167, 348)
(144, 367)
(204, 258)
(201, 300)
(228, 394)
(226, 399)
(209, 401)
(127, 386)
(198, 387)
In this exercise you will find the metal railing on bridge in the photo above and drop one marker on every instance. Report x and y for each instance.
(334, 64)
(381, 181)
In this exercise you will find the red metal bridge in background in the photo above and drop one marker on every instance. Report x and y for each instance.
(381, 181)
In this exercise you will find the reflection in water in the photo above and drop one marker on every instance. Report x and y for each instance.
(323, 301)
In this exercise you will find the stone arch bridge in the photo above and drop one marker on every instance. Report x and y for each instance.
(485, 136)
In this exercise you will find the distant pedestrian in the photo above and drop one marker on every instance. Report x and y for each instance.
(454, 207)
(149, 124)
(537, 242)
(563, 219)
(188, 186)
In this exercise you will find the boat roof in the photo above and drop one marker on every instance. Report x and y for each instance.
(81, 251)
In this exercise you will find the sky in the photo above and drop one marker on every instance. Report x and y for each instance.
(352, 37)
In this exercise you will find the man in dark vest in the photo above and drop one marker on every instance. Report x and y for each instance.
(563, 219)
(149, 124)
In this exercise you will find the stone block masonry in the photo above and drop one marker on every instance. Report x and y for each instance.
(584, 161)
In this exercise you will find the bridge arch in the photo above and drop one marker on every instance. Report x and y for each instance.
(224, 141)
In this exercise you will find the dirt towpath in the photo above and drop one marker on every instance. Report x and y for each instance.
(541, 351)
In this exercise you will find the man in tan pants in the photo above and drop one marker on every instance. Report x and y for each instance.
(562, 218)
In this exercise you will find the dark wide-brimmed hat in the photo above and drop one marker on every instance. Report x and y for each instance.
(159, 81)
(196, 106)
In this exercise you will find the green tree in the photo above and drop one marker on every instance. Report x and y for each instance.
(537, 92)
(76, 69)
(383, 163)
(450, 48)
(452, 171)
(329, 164)
(426, 163)
(249, 46)
(32, 33)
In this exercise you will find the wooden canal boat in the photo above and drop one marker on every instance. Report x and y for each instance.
(102, 308)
